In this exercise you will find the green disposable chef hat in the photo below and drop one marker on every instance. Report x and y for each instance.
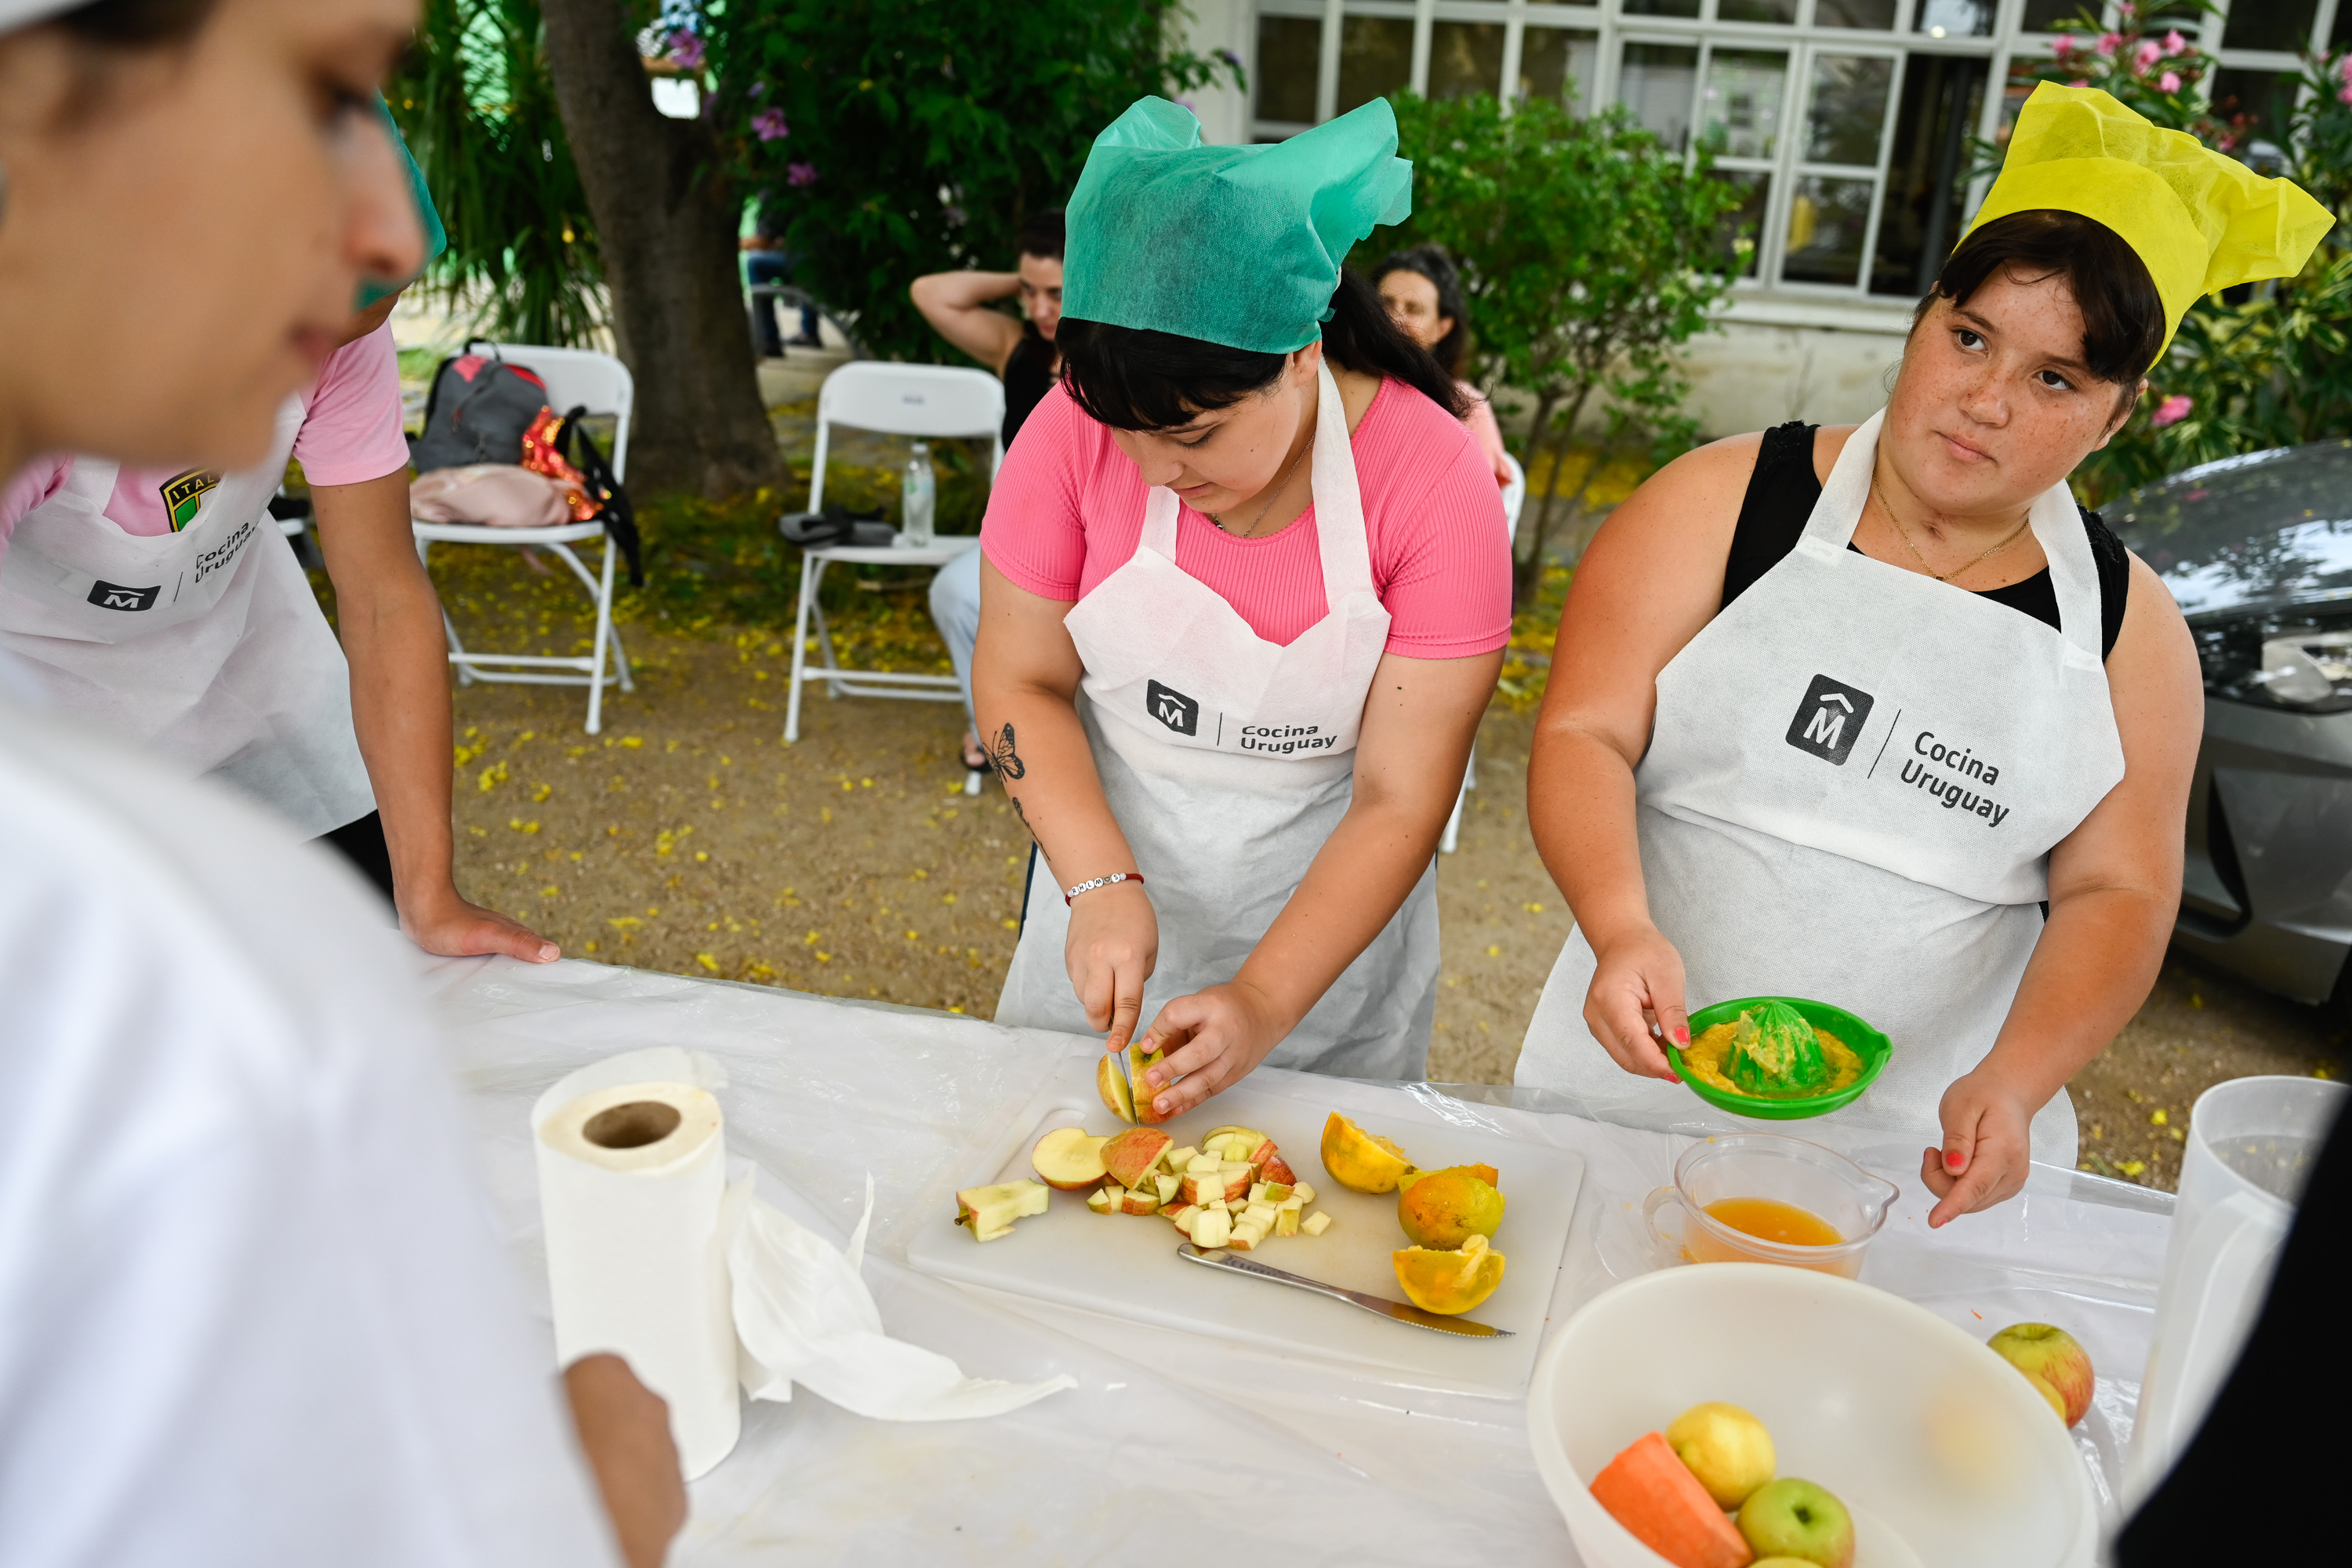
(437, 238)
(1237, 246)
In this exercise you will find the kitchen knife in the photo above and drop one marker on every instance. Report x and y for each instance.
(1218, 1257)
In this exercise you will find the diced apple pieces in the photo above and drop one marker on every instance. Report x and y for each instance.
(1131, 1155)
(1211, 1228)
(1275, 1191)
(1137, 1201)
(1259, 1214)
(1276, 1170)
(1069, 1158)
(1102, 1201)
(1302, 1192)
(1315, 1224)
(1245, 1238)
(1286, 1220)
(1225, 1180)
(1166, 1186)
(1179, 1160)
(1179, 1216)
(988, 1212)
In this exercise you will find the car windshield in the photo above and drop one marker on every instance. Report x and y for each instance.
(2265, 529)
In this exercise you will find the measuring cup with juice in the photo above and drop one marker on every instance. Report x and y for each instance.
(1761, 1197)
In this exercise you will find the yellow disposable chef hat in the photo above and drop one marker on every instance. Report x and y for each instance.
(2199, 220)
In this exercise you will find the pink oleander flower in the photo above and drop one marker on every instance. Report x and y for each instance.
(799, 174)
(2172, 410)
(2174, 43)
(2344, 67)
(2169, 82)
(686, 47)
(2147, 54)
(2345, 95)
(2127, 8)
(769, 125)
(2065, 45)
(2110, 42)
(2080, 82)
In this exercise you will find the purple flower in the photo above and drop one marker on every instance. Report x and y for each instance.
(685, 48)
(758, 89)
(2169, 82)
(799, 174)
(769, 125)
(2172, 410)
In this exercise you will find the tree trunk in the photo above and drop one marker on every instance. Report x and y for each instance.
(667, 219)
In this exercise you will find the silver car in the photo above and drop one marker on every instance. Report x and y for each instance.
(2258, 551)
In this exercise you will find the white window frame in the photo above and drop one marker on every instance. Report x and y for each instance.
(1766, 296)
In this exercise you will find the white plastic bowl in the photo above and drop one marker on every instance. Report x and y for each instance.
(1941, 1451)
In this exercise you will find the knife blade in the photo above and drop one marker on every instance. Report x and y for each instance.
(1218, 1257)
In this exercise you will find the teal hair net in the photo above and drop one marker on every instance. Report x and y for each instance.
(1237, 246)
(437, 238)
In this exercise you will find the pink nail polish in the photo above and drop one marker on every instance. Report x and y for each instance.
(1682, 1033)
(1954, 1159)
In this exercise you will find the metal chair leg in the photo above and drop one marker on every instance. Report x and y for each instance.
(604, 631)
(809, 575)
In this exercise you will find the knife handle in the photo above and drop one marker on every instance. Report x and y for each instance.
(1220, 1258)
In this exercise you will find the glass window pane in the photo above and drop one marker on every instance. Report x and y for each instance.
(1957, 19)
(1878, 16)
(1658, 9)
(1849, 108)
(1464, 58)
(2255, 103)
(2050, 15)
(2341, 33)
(1375, 60)
(1553, 60)
(1739, 113)
(1286, 51)
(1920, 217)
(1826, 219)
(1742, 228)
(2271, 24)
(1756, 10)
(1656, 82)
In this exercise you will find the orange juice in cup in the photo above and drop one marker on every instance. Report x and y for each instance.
(1760, 1197)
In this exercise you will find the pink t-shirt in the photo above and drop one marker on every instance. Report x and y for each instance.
(350, 433)
(1067, 512)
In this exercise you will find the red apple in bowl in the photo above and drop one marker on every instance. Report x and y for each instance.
(2054, 1362)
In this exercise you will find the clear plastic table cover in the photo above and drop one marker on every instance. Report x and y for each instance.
(1173, 1446)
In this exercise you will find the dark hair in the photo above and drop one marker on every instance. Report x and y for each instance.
(1132, 378)
(2123, 315)
(1432, 262)
(137, 24)
(1045, 235)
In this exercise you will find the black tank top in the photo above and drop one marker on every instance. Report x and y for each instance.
(1028, 377)
(1781, 497)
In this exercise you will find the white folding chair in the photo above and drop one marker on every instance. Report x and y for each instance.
(1515, 496)
(923, 400)
(602, 384)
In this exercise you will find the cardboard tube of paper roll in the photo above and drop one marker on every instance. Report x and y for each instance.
(631, 1178)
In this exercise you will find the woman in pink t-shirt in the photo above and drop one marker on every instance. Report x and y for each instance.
(1246, 593)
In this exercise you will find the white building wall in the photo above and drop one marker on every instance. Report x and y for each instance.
(1229, 25)
(1756, 373)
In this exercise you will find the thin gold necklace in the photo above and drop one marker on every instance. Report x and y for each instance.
(1251, 531)
(1905, 534)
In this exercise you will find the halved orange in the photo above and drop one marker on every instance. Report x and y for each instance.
(1448, 1282)
(1362, 1162)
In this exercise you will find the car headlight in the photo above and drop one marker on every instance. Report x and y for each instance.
(2297, 659)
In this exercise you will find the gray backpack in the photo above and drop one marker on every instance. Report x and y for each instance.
(479, 407)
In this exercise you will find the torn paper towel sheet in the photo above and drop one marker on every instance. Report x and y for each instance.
(659, 1251)
(803, 1315)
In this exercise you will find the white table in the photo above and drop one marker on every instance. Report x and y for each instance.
(1174, 1448)
(843, 682)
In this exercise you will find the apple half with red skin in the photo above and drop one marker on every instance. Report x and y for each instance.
(1130, 1156)
(2054, 1362)
(1140, 1091)
(1069, 1158)
(988, 1212)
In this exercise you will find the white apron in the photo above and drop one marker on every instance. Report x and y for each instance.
(1228, 761)
(207, 645)
(1854, 779)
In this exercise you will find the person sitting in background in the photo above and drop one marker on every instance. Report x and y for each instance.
(960, 307)
(1424, 295)
(765, 261)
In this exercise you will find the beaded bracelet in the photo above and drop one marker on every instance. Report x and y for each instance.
(1135, 877)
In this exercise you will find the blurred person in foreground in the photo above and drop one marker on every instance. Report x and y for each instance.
(256, 1312)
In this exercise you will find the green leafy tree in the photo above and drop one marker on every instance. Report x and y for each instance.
(1589, 252)
(476, 103)
(904, 137)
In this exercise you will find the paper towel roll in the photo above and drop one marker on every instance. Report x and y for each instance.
(632, 1182)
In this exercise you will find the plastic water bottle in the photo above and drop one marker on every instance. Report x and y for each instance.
(918, 500)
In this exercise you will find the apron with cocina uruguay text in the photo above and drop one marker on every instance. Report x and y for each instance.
(1228, 760)
(1854, 783)
(207, 645)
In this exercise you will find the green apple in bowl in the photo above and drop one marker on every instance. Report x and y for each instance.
(2054, 1362)
(1790, 1518)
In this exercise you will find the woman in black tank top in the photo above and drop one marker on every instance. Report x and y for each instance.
(1805, 737)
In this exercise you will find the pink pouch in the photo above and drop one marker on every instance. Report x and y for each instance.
(493, 495)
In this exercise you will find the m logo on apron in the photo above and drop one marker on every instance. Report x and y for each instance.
(1829, 719)
(1172, 708)
(184, 495)
(115, 597)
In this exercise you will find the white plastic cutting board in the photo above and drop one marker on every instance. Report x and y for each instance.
(1126, 1266)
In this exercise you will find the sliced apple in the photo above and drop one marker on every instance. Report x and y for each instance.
(1257, 1192)
(1197, 1187)
(1302, 1192)
(1069, 1158)
(1211, 1228)
(1315, 1223)
(1111, 1084)
(1130, 1156)
(1277, 1170)
(1179, 1216)
(1277, 1191)
(1167, 1187)
(1243, 1239)
(1286, 1220)
(1140, 1090)
(1102, 1201)
(1133, 1200)
(1177, 1159)
(988, 1212)
(1252, 1134)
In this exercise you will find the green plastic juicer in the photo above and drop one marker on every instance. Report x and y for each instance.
(1774, 1051)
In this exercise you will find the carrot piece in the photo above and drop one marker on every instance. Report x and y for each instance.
(1653, 1493)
